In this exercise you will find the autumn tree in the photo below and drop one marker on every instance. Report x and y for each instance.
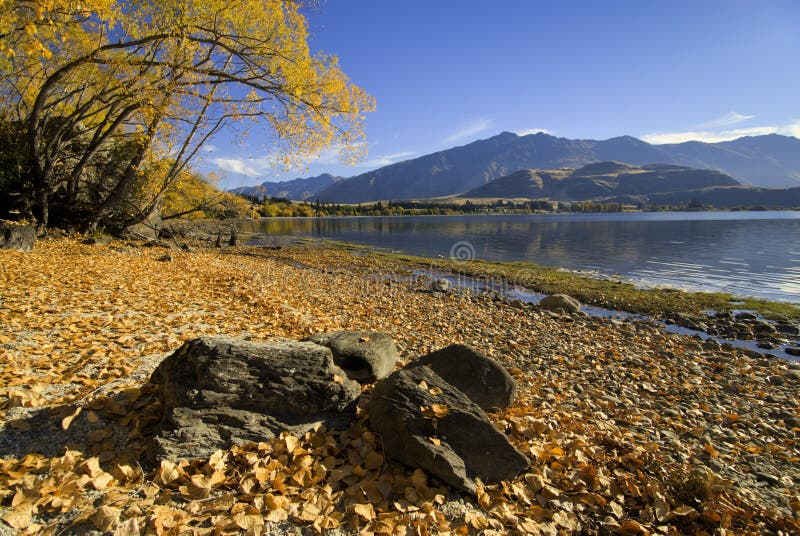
(112, 101)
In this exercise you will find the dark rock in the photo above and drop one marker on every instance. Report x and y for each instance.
(469, 445)
(793, 351)
(764, 327)
(19, 237)
(365, 356)
(165, 258)
(766, 345)
(440, 285)
(789, 329)
(768, 478)
(560, 302)
(187, 248)
(97, 241)
(218, 391)
(746, 316)
(482, 379)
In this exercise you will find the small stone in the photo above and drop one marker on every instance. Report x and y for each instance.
(440, 285)
(560, 303)
(165, 258)
(768, 478)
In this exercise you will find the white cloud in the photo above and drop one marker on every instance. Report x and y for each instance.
(469, 129)
(527, 131)
(730, 118)
(249, 167)
(386, 159)
(714, 136)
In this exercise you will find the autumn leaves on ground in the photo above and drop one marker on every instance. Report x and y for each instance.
(630, 430)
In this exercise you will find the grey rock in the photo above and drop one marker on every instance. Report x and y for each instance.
(165, 258)
(440, 285)
(560, 302)
(793, 351)
(218, 391)
(365, 356)
(97, 241)
(481, 378)
(469, 445)
(18, 237)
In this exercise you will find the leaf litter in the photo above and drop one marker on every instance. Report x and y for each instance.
(630, 430)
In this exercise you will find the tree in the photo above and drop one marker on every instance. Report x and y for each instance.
(148, 83)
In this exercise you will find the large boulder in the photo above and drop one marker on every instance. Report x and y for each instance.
(19, 237)
(218, 391)
(425, 422)
(366, 356)
(560, 303)
(481, 378)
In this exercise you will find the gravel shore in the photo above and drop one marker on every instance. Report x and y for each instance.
(631, 429)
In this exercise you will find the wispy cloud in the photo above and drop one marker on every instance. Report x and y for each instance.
(250, 167)
(469, 129)
(714, 136)
(730, 118)
(526, 131)
(386, 159)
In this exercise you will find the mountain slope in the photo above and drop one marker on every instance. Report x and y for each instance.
(601, 180)
(297, 189)
(769, 161)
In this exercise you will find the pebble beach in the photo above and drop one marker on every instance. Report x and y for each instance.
(630, 429)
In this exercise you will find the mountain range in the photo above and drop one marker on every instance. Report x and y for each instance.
(299, 189)
(770, 161)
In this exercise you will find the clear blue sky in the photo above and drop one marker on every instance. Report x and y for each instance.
(447, 72)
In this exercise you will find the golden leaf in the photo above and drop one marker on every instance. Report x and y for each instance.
(365, 511)
(435, 440)
(19, 517)
(106, 518)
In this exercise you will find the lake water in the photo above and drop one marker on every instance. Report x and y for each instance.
(744, 253)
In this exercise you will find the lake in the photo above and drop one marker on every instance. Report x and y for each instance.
(744, 253)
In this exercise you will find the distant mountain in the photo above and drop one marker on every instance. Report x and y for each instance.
(601, 180)
(766, 161)
(296, 189)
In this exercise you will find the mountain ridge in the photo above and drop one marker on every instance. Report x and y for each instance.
(299, 189)
(764, 161)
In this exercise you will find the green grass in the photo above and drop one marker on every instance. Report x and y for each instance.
(592, 291)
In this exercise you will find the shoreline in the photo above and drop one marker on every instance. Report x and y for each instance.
(629, 428)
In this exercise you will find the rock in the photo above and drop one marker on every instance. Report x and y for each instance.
(19, 237)
(764, 327)
(768, 478)
(97, 241)
(482, 379)
(148, 230)
(365, 356)
(793, 351)
(560, 302)
(451, 439)
(165, 258)
(440, 285)
(218, 391)
(766, 345)
(746, 316)
(788, 329)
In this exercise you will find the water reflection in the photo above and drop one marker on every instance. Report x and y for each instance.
(755, 254)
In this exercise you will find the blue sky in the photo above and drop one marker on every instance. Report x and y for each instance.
(447, 72)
